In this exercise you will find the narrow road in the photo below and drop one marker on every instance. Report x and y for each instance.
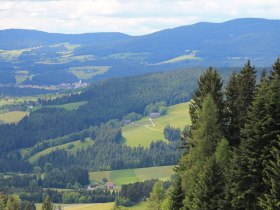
(152, 122)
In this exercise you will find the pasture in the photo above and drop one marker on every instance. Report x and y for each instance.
(127, 176)
(142, 132)
(95, 206)
(87, 72)
(12, 117)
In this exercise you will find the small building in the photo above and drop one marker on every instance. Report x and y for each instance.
(126, 122)
(93, 186)
(110, 185)
(154, 115)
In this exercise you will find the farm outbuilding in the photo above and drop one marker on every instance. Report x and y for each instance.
(154, 115)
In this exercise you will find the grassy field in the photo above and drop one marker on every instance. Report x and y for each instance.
(70, 106)
(190, 56)
(143, 133)
(127, 176)
(9, 101)
(78, 206)
(75, 146)
(12, 117)
(95, 206)
(87, 72)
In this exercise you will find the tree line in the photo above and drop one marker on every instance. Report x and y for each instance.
(233, 146)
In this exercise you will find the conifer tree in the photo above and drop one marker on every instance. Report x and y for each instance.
(13, 203)
(207, 133)
(260, 131)
(167, 202)
(208, 189)
(203, 142)
(47, 205)
(263, 77)
(275, 69)
(156, 197)
(177, 195)
(231, 112)
(271, 199)
(240, 92)
(209, 83)
(247, 90)
(2, 201)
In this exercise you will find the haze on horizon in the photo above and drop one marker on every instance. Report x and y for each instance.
(132, 17)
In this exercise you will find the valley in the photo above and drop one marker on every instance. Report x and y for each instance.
(179, 114)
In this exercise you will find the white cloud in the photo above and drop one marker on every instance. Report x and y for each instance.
(128, 16)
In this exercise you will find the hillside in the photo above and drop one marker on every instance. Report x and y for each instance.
(35, 57)
(143, 132)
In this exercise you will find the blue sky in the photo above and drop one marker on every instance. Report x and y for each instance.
(134, 17)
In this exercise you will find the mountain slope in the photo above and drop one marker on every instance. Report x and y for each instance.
(48, 58)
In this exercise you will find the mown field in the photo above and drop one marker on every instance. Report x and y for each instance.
(92, 206)
(95, 206)
(87, 72)
(12, 117)
(143, 132)
(127, 176)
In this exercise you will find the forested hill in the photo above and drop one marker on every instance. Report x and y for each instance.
(110, 99)
(34, 57)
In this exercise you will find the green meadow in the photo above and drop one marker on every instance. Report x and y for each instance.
(190, 56)
(95, 206)
(143, 132)
(127, 176)
(12, 117)
(78, 206)
(87, 72)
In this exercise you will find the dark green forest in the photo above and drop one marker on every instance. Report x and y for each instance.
(231, 158)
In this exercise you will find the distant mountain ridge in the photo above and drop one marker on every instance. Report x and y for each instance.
(227, 44)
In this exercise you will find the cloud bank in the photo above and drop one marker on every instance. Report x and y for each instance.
(133, 17)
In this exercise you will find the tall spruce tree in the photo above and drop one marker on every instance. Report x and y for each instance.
(203, 142)
(275, 69)
(247, 91)
(208, 189)
(231, 112)
(271, 199)
(177, 195)
(47, 205)
(240, 93)
(260, 131)
(209, 83)
(156, 196)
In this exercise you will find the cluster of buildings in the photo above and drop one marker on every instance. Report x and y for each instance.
(75, 85)
(104, 186)
(62, 86)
